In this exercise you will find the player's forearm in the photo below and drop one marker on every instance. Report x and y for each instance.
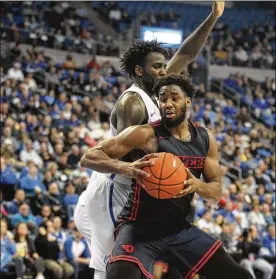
(191, 47)
(210, 191)
(99, 161)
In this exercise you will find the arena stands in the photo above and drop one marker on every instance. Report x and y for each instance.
(47, 126)
(249, 40)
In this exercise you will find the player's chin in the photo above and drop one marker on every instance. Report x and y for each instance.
(169, 122)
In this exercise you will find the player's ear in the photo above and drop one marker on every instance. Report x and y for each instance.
(188, 102)
(138, 70)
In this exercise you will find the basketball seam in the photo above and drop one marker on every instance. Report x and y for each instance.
(153, 173)
(172, 172)
(156, 183)
(161, 175)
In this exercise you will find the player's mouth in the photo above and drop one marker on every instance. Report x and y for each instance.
(170, 114)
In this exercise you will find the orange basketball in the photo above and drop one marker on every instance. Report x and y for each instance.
(167, 176)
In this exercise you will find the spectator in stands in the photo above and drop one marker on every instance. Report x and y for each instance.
(16, 72)
(25, 250)
(7, 180)
(69, 63)
(47, 247)
(54, 199)
(31, 183)
(24, 215)
(46, 214)
(255, 217)
(269, 243)
(250, 246)
(70, 200)
(59, 233)
(29, 154)
(74, 157)
(241, 57)
(9, 260)
(13, 206)
(77, 252)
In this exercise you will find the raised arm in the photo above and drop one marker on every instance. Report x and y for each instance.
(211, 188)
(104, 157)
(191, 47)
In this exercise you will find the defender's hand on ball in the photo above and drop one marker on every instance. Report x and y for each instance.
(192, 184)
(134, 170)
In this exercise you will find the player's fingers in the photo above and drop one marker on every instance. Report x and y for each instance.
(141, 165)
(189, 173)
(184, 192)
(188, 182)
(148, 157)
(141, 174)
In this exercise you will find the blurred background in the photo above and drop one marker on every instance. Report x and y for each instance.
(60, 78)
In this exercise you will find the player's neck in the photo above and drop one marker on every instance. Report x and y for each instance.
(138, 82)
(181, 130)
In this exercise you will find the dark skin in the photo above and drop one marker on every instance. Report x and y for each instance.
(105, 156)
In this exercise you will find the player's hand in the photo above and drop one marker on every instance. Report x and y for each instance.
(191, 185)
(218, 8)
(134, 170)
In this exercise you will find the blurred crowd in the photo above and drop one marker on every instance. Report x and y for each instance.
(249, 47)
(45, 131)
(64, 26)
(54, 24)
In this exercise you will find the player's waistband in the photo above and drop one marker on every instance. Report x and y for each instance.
(119, 178)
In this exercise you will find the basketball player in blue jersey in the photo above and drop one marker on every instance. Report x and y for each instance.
(105, 195)
(147, 226)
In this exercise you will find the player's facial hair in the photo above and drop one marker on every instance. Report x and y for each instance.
(148, 81)
(171, 123)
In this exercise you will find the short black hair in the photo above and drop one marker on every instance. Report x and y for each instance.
(182, 81)
(137, 53)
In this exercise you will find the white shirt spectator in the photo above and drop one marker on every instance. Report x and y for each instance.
(29, 154)
(15, 72)
(256, 218)
(241, 55)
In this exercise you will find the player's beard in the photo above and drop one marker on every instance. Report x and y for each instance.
(174, 122)
(148, 82)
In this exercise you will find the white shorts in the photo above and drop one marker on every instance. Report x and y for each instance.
(97, 211)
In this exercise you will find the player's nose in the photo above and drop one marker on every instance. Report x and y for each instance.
(162, 72)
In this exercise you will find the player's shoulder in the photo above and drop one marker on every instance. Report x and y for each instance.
(129, 101)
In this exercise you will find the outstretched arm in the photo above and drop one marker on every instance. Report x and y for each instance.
(104, 157)
(193, 44)
(211, 188)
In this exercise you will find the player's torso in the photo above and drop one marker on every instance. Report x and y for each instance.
(147, 210)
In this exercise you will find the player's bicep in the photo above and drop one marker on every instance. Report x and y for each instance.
(212, 171)
(130, 111)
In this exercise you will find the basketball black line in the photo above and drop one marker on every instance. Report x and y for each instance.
(152, 172)
(155, 183)
(161, 174)
(172, 172)
(162, 191)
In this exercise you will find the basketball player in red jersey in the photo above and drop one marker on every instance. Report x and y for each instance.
(147, 226)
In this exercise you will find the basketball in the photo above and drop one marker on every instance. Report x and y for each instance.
(167, 176)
